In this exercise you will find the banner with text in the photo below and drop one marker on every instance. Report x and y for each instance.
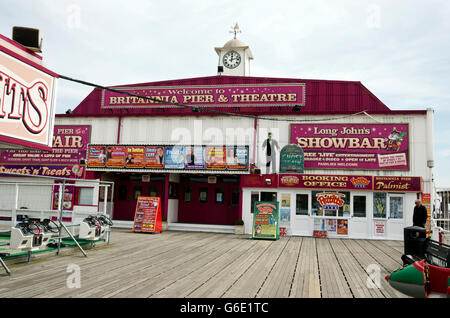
(64, 160)
(351, 182)
(279, 94)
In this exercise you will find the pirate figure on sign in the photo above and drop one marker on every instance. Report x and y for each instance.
(271, 158)
(395, 140)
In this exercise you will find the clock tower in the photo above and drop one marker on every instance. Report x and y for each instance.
(234, 57)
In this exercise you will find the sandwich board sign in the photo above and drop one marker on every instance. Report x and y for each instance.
(147, 217)
(266, 223)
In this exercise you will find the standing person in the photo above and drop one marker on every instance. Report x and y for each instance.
(420, 215)
(271, 157)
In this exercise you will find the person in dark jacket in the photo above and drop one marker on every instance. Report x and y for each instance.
(420, 214)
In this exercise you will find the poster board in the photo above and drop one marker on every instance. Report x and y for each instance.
(147, 217)
(285, 214)
(266, 220)
(379, 228)
(426, 202)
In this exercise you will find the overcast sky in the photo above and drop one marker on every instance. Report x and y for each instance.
(400, 50)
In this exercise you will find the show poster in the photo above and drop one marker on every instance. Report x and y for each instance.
(216, 158)
(174, 157)
(353, 146)
(319, 228)
(266, 220)
(330, 225)
(237, 158)
(67, 200)
(342, 227)
(96, 156)
(285, 212)
(194, 157)
(285, 216)
(154, 157)
(135, 157)
(115, 156)
(147, 217)
(64, 160)
(426, 202)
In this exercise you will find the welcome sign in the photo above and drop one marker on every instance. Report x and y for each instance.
(353, 146)
(291, 94)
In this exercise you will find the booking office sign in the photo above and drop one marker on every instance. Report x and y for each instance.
(353, 146)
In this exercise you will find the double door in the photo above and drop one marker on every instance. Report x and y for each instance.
(126, 195)
(209, 203)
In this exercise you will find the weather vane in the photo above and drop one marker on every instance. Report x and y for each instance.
(235, 30)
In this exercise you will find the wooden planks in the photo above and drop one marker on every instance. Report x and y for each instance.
(332, 279)
(279, 280)
(367, 260)
(306, 280)
(188, 264)
(356, 276)
(248, 285)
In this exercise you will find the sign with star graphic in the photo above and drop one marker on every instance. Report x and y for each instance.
(353, 146)
(292, 94)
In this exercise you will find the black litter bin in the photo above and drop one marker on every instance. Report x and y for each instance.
(415, 238)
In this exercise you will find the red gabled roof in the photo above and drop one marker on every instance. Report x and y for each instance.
(322, 97)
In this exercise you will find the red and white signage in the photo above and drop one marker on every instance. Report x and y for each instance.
(27, 101)
(379, 227)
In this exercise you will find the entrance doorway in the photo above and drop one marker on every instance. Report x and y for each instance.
(209, 203)
(127, 192)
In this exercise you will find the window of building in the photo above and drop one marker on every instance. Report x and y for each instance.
(379, 205)
(269, 196)
(220, 195)
(203, 195)
(153, 191)
(123, 192)
(187, 194)
(254, 198)
(359, 206)
(396, 207)
(173, 190)
(330, 203)
(235, 196)
(137, 192)
(301, 204)
(86, 196)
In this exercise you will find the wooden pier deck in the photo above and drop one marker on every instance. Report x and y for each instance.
(187, 264)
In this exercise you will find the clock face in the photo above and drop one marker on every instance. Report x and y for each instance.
(231, 59)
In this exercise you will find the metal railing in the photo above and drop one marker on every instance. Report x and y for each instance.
(31, 198)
